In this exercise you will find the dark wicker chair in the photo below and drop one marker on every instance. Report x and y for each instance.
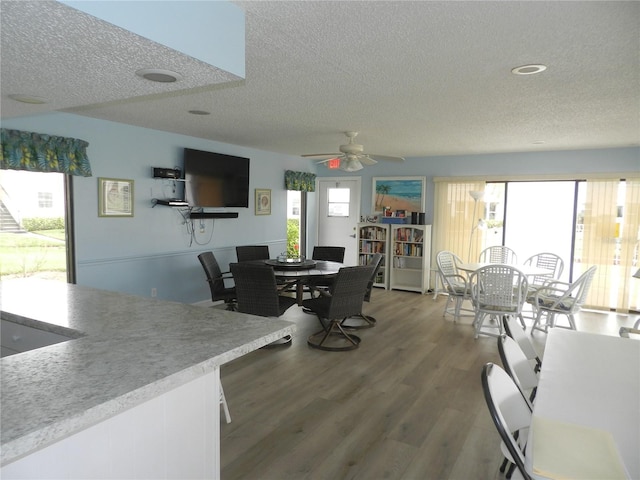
(328, 254)
(366, 321)
(344, 300)
(216, 278)
(257, 292)
(247, 253)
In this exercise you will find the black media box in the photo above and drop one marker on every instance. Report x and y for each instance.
(166, 172)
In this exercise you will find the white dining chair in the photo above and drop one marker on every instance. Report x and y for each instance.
(517, 365)
(455, 284)
(516, 332)
(511, 415)
(561, 298)
(498, 254)
(497, 291)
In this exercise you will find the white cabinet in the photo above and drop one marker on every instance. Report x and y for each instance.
(374, 238)
(411, 257)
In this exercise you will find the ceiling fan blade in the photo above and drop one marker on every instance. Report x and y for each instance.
(385, 158)
(327, 160)
(366, 160)
(328, 155)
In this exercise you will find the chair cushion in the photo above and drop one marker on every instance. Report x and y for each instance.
(547, 301)
(318, 305)
(497, 308)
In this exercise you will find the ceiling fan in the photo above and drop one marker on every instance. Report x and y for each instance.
(352, 157)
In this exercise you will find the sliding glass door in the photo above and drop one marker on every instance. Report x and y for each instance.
(540, 218)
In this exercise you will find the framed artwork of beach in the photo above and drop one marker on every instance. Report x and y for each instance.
(398, 193)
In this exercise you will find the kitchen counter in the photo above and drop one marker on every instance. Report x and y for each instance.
(124, 350)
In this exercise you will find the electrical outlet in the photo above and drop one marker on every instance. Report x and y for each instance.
(154, 292)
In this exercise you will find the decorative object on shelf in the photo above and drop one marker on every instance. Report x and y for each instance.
(476, 195)
(263, 201)
(398, 193)
(115, 197)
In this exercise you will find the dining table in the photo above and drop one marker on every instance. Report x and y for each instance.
(586, 416)
(296, 272)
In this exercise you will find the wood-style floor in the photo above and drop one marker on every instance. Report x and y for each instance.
(407, 404)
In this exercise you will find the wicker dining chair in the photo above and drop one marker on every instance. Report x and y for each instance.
(497, 291)
(455, 284)
(561, 298)
(344, 300)
(498, 254)
(257, 292)
(247, 253)
(366, 321)
(216, 279)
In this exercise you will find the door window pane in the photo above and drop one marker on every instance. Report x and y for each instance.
(338, 202)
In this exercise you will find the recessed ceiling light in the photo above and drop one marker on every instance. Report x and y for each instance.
(538, 142)
(18, 97)
(158, 75)
(529, 69)
(199, 112)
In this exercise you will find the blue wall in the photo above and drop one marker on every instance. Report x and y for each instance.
(154, 250)
(623, 160)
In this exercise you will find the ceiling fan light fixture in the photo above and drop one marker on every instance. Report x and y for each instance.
(352, 165)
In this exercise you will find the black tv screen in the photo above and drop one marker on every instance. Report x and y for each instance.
(215, 179)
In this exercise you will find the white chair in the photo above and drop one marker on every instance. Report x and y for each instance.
(517, 365)
(455, 284)
(514, 330)
(497, 291)
(498, 254)
(511, 414)
(223, 402)
(561, 298)
(548, 261)
(631, 332)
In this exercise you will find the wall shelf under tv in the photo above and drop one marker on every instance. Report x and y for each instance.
(213, 214)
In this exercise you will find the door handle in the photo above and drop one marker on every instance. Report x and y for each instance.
(353, 236)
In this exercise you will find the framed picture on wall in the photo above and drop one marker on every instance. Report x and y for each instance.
(398, 194)
(263, 201)
(115, 197)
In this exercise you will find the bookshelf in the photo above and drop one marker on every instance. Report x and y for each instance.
(374, 238)
(410, 266)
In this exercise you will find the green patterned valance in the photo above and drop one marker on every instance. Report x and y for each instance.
(38, 152)
(302, 181)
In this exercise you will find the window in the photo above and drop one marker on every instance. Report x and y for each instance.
(338, 202)
(45, 200)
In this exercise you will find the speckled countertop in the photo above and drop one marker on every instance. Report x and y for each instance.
(125, 350)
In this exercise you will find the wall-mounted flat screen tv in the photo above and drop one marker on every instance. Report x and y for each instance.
(215, 179)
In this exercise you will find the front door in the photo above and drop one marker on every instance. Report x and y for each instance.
(339, 214)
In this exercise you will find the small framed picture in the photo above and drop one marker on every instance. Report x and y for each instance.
(263, 201)
(115, 197)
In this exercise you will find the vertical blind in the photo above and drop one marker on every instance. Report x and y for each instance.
(611, 242)
(453, 219)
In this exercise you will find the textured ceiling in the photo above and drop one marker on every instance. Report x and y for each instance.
(414, 78)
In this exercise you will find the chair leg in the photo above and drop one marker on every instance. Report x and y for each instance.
(336, 330)
(505, 462)
(223, 402)
(512, 467)
(368, 322)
